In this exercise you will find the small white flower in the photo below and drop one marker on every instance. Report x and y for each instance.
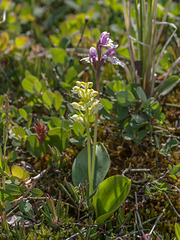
(77, 118)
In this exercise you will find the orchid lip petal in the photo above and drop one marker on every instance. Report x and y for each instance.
(110, 51)
(87, 59)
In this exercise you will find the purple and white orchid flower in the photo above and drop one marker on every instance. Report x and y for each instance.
(97, 55)
(105, 41)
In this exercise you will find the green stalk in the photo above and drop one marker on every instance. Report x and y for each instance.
(89, 160)
(94, 145)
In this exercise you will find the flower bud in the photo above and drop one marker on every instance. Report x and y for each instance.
(104, 38)
(90, 84)
(75, 105)
(75, 89)
(77, 118)
(78, 83)
(92, 52)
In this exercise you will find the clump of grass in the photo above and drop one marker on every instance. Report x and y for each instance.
(146, 33)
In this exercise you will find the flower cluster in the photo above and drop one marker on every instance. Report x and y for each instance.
(97, 56)
(88, 105)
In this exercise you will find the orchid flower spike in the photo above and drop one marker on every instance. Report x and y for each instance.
(97, 54)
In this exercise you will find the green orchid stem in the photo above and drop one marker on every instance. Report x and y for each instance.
(94, 145)
(94, 150)
(89, 160)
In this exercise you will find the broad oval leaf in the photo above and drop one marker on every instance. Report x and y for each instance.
(80, 166)
(110, 195)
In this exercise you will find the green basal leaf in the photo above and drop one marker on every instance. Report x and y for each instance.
(8, 206)
(128, 137)
(176, 169)
(110, 195)
(80, 166)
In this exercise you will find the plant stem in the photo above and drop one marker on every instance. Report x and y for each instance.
(89, 160)
(94, 145)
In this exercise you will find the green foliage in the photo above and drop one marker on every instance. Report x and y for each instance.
(168, 85)
(33, 146)
(125, 98)
(41, 43)
(177, 231)
(57, 137)
(146, 33)
(58, 55)
(110, 195)
(80, 166)
(139, 123)
(54, 214)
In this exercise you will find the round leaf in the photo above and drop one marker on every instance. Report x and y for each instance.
(110, 195)
(17, 171)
